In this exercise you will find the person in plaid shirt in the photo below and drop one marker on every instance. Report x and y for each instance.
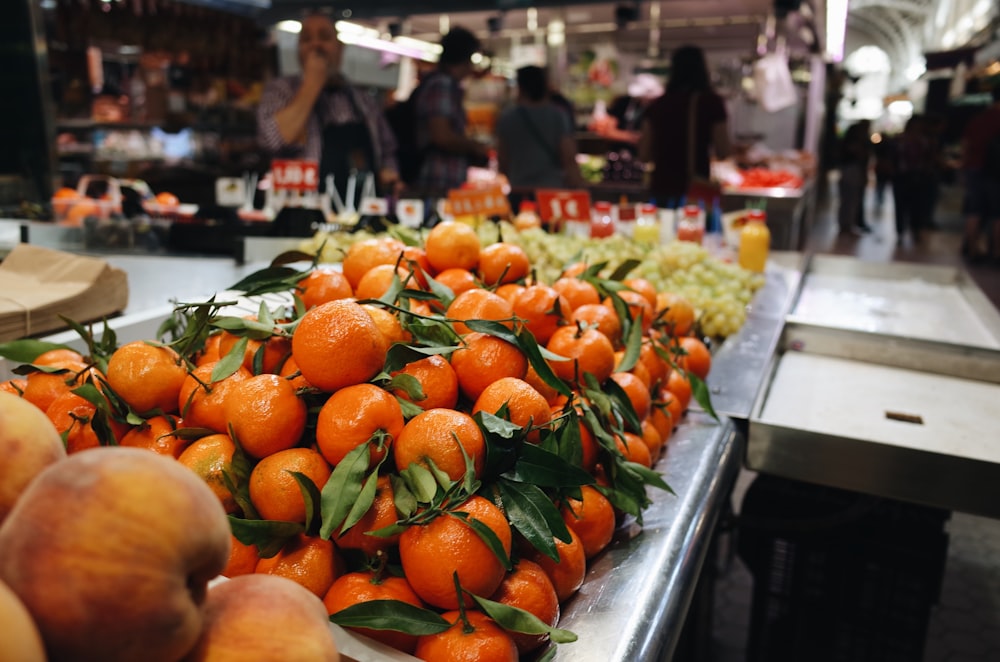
(440, 117)
(320, 116)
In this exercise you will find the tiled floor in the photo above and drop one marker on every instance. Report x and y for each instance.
(965, 623)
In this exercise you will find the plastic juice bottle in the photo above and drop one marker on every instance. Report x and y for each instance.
(755, 242)
(691, 224)
(601, 222)
(647, 226)
(625, 218)
(527, 216)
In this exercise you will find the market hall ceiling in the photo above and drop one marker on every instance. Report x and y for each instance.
(896, 26)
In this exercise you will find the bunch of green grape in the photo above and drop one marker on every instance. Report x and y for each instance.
(719, 291)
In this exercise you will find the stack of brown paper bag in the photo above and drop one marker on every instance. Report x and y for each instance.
(38, 285)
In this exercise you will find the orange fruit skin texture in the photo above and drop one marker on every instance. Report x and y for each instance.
(431, 553)
(381, 514)
(436, 434)
(73, 416)
(210, 457)
(679, 313)
(322, 285)
(337, 344)
(488, 642)
(437, 380)
(452, 244)
(680, 387)
(369, 253)
(526, 406)
(41, 388)
(577, 292)
(634, 449)
(637, 392)
(147, 377)
(378, 280)
(568, 574)
(266, 415)
(603, 317)
(157, 435)
(478, 304)
(503, 263)
(388, 324)
(457, 280)
(483, 359)
(698, 359)
(529, 588)
(588, 351)
(309, 561)
(359, 587)
(242, 559)
(275, 493)
(352, 416)
(592, 520)
(202, 402)
(543, 310)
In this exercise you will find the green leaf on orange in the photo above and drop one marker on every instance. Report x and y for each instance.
(533, 514)
(391, 615)
(543, 468)
(268, 535)
(342, 489)
(519, 620)
(27, 350)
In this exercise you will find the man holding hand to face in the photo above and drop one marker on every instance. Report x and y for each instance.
(320, 116)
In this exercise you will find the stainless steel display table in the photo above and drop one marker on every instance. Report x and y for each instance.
(635, 599)
(885, 380)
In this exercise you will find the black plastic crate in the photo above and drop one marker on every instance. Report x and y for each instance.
(839, 576)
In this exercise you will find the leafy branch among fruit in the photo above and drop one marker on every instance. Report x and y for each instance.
(432, 439)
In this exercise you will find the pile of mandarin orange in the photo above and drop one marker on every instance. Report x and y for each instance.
(423, 394)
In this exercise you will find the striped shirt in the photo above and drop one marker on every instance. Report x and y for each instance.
(440, 96)
(334, 106)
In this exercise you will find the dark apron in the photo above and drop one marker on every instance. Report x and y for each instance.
(347, 149)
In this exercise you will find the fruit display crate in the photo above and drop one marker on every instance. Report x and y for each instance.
(905, 408)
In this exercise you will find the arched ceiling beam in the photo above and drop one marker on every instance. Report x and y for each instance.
(914, 7)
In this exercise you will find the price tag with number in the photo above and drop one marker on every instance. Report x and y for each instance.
(479, 202)
(293, 175)
(557, 206)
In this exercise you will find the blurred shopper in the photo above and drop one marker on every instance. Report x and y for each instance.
(682, 129)
(913, 187)
(885, 167)
(441, 119)
(628, 110)
(535, 143)
(981, 170)
(320, 116)
(855, 155)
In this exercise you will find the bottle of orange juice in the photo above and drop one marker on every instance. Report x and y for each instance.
(755, 242)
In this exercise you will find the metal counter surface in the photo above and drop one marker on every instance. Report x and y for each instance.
(740, 366)
(885, 380)
(637, 592)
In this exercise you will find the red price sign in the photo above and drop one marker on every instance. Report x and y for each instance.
(299, 176)
(481, 202)
(556, 206)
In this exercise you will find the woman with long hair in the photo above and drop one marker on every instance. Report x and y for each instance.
(684, 128)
